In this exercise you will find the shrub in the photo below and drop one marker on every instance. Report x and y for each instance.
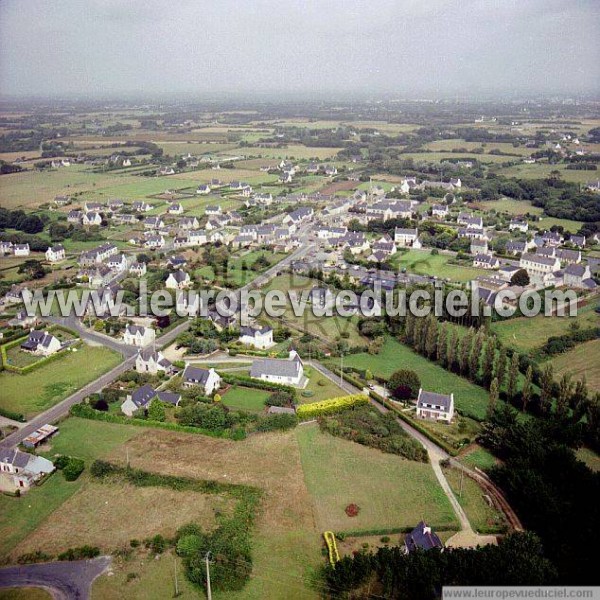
(276, 422)
(158, 544)
(73, 469)
(402, 379)
(331, 406)
(80, 553)
(352, 510)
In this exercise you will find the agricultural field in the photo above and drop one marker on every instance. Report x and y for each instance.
(422, 262)
(390, 491)
(449, 145)
(470, 399)
(44, 386)
(583, 360)
(530, 333)
(78, 437)
(543, 170)
(292, 152)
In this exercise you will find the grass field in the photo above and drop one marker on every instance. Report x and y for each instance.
(422, 262)
(109, 515)
(321, 387)
(590, 458)
(529, 333)
(448, 145)
(24, 593)
(46, 385)
(243, 398)
(285, 542)
(470, 399)
(297, 152)
(391, 492)
(582, 360)
(20, 517)
(542, 171)
(483, 517)
(478, 457)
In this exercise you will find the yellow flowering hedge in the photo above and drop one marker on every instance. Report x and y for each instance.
(330, 406)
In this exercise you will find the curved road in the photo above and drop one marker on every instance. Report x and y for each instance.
(64, 580)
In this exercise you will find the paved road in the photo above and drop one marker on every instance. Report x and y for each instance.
(64, 580)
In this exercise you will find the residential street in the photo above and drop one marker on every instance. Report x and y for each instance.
(64, 580)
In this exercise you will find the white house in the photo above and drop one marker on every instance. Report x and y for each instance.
(579, 277)
(203, 189)
(91, 218)
(142, 398)
(485, 261)
(151, 361)
(439, 211)
(136, 335)
(436, 407)
(407, 237)
(41, 342)
(259, 337)
(285, 371)
(519, 224)
(21, 249)
(55, 253)
(21, 469)
(539, 268)
(177, 280)
(207, 379)
(138, 268)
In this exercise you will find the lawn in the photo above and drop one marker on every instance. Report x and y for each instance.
(50, 383)
(320, 386)
(479, 458)
(390, 491)
(483, 517)
(582, 360)
(244, 398)
(24, 593)
(470, 399)
(530, 333)
(19, 517)
(422, 262)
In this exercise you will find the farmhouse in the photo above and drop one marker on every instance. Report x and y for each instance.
(97, 255)
(203, 189)
(285, 371)
(422, 538)
(485, 261)
(141, 206)
(74, 216)
(439, 211)
(479, 246)
(21, 469)
(91, 218)
(155, 241)
(55, 253)
(435, 407)
(259, 337)
(188, 223)
(138, 268)
(153, 223)
(207, 379)
(518, 224)
(177, 280)
(6, 248)
(21, 249)
(42, 343)
(144, 396)
(151, 361)
(136, 335)
(175, 209)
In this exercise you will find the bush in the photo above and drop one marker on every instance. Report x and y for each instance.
(80, 553)
(276, 422)
(73, 469)
(331, 406)
(403, 379)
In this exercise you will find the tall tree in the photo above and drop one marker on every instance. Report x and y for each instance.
(409, 329)
(431, 337)
(475, 355)
(579, 398)
(488, 362)
(500, 369)
(565, 391)
(453, 349)
(546, 381)
(513, 376)
(442, 345)
(494, 395)
(465, 351)
(526, 392)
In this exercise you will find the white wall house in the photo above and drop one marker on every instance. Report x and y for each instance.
(177, 280)
(206, 379)
(55, 253)
(285, 371)
(259, 337)
(407, 238)
(435, 407)
(151, 361)
(42, 343)
(22, 470)
(136, 335)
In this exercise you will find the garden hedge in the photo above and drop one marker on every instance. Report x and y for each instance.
(330, 406)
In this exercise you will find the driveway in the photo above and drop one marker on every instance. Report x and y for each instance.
(64, 580)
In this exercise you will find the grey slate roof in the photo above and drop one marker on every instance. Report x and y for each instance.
(195, 375)
(422, 538)
(275, 367)
(433, 399)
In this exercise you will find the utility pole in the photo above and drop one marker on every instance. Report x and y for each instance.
(176, 582)
(208, 590)
(342, 369)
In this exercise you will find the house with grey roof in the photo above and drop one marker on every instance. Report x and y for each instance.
(137, 335)
(142, 398)
(151, 361)
(177, 280)
(20, 470)
(42, 343)
(578, 277)
(422, 537)
(288, 371)
(206, 379)
(259, 337)
(435, 407)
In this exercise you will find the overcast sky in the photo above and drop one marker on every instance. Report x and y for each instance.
(404, 47)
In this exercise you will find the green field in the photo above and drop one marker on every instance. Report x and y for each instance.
(320, 386)
(470, 399)
(448, 145)
(422, 262)
(483, 517)
(46, 385)
(542, 171)
(78, 437)
(582, 360)
(478, 457)
(244, 398)
(390, 491)
(529, 333)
